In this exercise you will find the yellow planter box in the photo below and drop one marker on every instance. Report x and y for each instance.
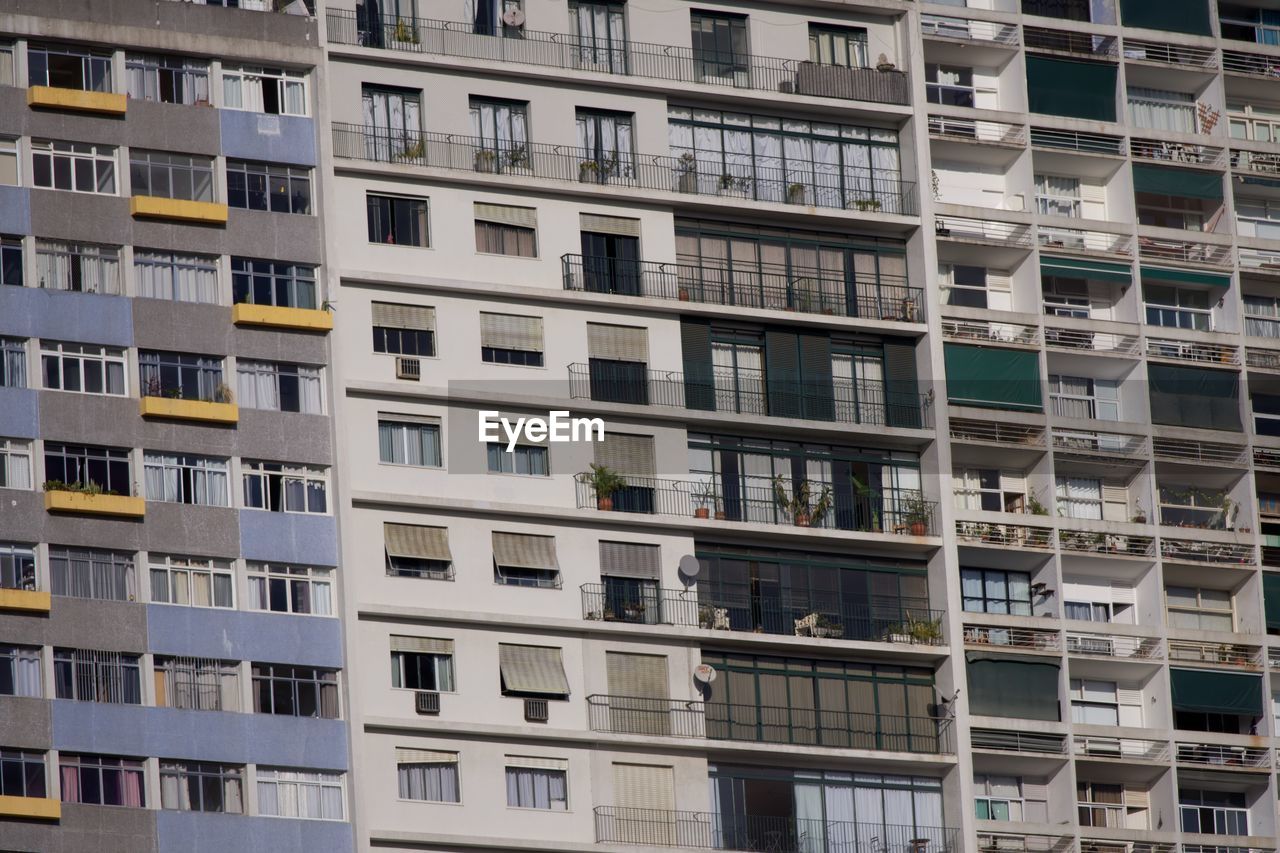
(306, 319)
(25, 599)
(154, 207)
(79, 502)
(40, 808)
(190, 410)
(76, 99)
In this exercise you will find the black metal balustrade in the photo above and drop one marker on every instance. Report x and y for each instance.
(620, 57)
(799, 183)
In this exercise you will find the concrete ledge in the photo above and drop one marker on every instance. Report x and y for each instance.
(29, 600)
(154, 207)
(190, 410)
(84, 504)
(37, 808)
(306, 319)
(76, 99)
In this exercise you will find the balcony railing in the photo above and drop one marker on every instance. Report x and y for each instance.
(744, 392)
(1141, 50)
(803, 184)
(1203, 452)
(996, 432)
(767, 286)
(1223, 654)
(1106, 544)
(942, 26)
(1178, 152)
(1017, 535)
(1007, 740)
(1264, 163)
(1037, 639)
(308, 6)
(1259, 261)
(1115, 646)
(1266, 457)
(991, 330)
(833, 728)
(603, 55)
(982, 230)
(1185, 252)
(1077, 140)
(1087, 340)
(1140, 749)
(977, 130)
(768, 834)
(1201, 351)
(1201, 551)
(1223, 755)
(1023, 842)
(1110, 845)
(1244, 62)
(1083, 240)
(1070, 41)
(1092, 444)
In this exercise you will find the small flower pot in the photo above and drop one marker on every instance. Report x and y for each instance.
(604, 504)
(919, 528)
(720, 516)
(702, 512)
(802, 519)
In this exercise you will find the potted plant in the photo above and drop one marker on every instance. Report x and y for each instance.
(916, 512)
(865, 204)
(883, 64)
(604, 482)
(926, 632)
(589, 172)
(222, 393)
(486, 160)
(707, 496)
(795, 193)
(404, 33)
(732, 185)
(633, 612)
(518, 157)
(1139, 514)
(1035, 507)
(687, 173)
(800, 506)
(909, 309)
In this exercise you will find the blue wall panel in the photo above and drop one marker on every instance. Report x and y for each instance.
(288, 537)
(198, 832)
(203, 632)
(89, 318)
(15, 210)
(19, 413)
(273, 139)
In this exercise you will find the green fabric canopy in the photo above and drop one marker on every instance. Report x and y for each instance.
(1215, 692)
(1209, 279)
(1194, 397)
(1019, 686)
(1063, 87)
(993, 378)
(1271, 598)
(1184, 183)
(1078, 268)
(1177, 16)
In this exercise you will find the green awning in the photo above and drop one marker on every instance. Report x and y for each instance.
(1077, 268)
(1208, 279)
(1018, 686)
(1194, 397)
(1176, 16)
(1063, 87)
(992, 377)
(1215, 692)
(1271, 598)
(1184, 183)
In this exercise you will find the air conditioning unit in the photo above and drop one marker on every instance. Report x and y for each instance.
(426, 702)
(408, 368)
(536, 711)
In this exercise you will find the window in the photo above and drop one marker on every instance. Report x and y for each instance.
(418, 663)
(20, 671)
(295, 691)
(78, 267)
(988, 489)
(11, 261)
(191, 581)
(6, 65)
(279, 387)
(17, 566)
(168, 79)
(393, 123)
(181, 376)
(500, 238)
(186, 479)
(502, 130)
(949, 84)
(84, 573)
(1257, 217)
(537, 671)
(301, 794)
(9, 167)
(1192, 506)
(1213, 812)
(417, 551)
(997, 797)
(273, 91)
(89, 675)
(1065, 297)
(1178, 307)
(599, 33)
(177, 277)
(75, 166)
(80, 465)
(1256, 122)
(523, 560)
(843, 46)
(268, 186)
(1082, 397)
(195, 787)
(188, 177)
(1200, 609)
(21, 773)
(197, 684)
(511, 339)
(1094, 702)
(285, 488)
(1160, 109)
(720, 46)
(397, 220)
(15, 462)
(431, 777)
(965, 286)
(1088, 611)
(68, 68)
(525, 459)
(1171, 211)
(537, 787)
(258, 282)
(405, 440)
(995, 591)
(13, 363)
(1079, 497)
(291, 589)
(605, 139)
(404, 329)
(1057, 195)
(1100, 804)
(101, 780)
(1249, 23)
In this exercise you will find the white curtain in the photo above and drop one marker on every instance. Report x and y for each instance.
(17, 470)
(176, 277)
(161, 478)
(431, 782)
(841, 830)
(294, 98)
(258, 386)
(809, 825)
(1158, 109)
(241, 91)
(309, 390)
(26, 673)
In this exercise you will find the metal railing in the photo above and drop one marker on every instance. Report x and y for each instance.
(1070, 41)
(603, 55)
(1255, 161)
(1261, 261)
(801, 183)
(996, 432)
(767, 834)
(1266, 457)
(1115, 646)
(1071, 338)
(1083, 240)
(833, 728)
(1106, 544)
(767, 286)
(1077, 140)
(1038, 639)
(1192, 450)
(1018, 535)
(1200, 551)
(1224, 654)
(1202, 351)
(1023, 842)
(1244, 62)
(990, 330)
(746, 392)
(1185, 251)
(1141, 749)
(1141, 50)
(977, 130)
(271, 5)
(982, 230)
(943, 26)
(1094, 443)
(1109, 845)
(1223, 755)
(1177, 152)
(1008, 740)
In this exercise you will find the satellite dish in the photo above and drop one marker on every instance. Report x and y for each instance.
(704, 673)
(513, 17)
(689, 566)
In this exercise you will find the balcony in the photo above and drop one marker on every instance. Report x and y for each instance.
(1079, 141)
(1181, 153)
(996, 432)
(1024, 842)
(1117, 646)
(1185, 252)
(969, 230)
(178, 210)
(1203, 352)
(87, 503)
(1101, 445)
(749, 393)
(1123, 748)
(966, 29)
(1245, 62)
(1105, 544)
(1255, 161)
(1083, 338)
(1002, 636)
(77, 100)
(831, 729)
(1212, 453)
(1223, 756)
(1086, 241)
(30, 808)
(768, 287)
(1219, 654)
(623, 58)
(1262, 359)
(1006, 535)
(1165, 53)
(855, 189)
(1257, 261)
(204, 411)
(1009, 740)
(1266, 457)
(991, 331)
(1071, 41)
(713, 831)
(25, 600)
(274, 316)
(1201, 551)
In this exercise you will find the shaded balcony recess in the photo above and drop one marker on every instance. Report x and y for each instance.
(622, 58)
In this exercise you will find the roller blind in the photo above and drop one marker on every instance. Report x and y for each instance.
(626, 454)
(1017, 686)
(536, 762)
(523, 551)
(425, 756)
(1271, 598)
(398, 417)
(619, 225)
(1204, 691)
(1063, 87)
(1077, 268)
(1186, 183)
(389, 315)
(1194, 397)
(424, 645)
(617, 343)
(1185, 276)
(505, 214)
(538, 670)
(1178, 16)
(992, 377)
(630, 560)
(417, 541)
(636, 675)
(511, 331)
(644, 786)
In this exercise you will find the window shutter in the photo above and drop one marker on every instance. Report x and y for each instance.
(626, 454)
(424, 756)
(637, 675)
(538, 670)
(1122, 593)
(423, 645)
(992, 377)
(901, 387)
(1093, 193)
(417, 541)
(996, 281)
(1115, 503)
(695, 346)
(389, 315)
(536, 762)
(643, 786)
(815, 386)
(1011, 482)
(1137, 798)
(782, 372)
(511, 331)
(1128, 696)
(523, 551)
(505, 214)
(630, 560)
(597, 224)
(618, 343)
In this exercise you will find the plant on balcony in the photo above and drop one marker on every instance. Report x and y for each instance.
(687, 173)
(912, 630)
(795, 193)
(916, 512)
(1139, 514)
(90, 488)
(1035, 507)
(713, 618)
(883, 64)
(486, 161)
(404, 32)
(707, 496)
(518, 157)
(604, 481)
(799, 504)
(222, 393)
(818, 625)
(865, 204)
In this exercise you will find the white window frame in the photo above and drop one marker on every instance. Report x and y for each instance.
(1062, 200)
(256, 371)
(190, 468)
(309, 477)
(1077, 497)
(95, 262)
(439, 660)
(1100, 407)
(457, 778)
(299, 780)
(13, 363)
(548, 771)
(9, 153)
(260, 576)
(183, 571)
(146, 68)
(100, 160)
(515, 455)
(79, 356)
(1093, 694)
(1200, 609)
(11, 449)
(985, 791)
(403, 432)
(164, 270)
(235, 78)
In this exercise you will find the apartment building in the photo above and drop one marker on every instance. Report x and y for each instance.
(170, 649)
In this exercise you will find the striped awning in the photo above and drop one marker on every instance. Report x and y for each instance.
(525, 551)
(534, 670)
(416, 541)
